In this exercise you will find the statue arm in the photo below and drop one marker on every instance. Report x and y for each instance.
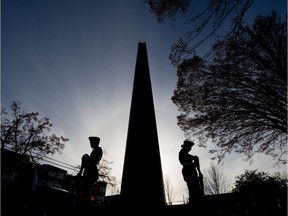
(197, 163)
(100, 155)
(96, 155)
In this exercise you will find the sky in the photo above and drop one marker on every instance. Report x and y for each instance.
(73, 61)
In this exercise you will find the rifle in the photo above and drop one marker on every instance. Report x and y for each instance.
(201, 184)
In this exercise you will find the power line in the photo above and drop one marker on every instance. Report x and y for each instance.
(55, 160)
(66, 165)
(74, 169)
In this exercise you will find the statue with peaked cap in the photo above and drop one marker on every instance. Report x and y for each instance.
(90, 171)
(191, 172)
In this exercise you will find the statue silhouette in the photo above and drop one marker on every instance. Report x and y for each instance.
(191, 173)
(90, 171)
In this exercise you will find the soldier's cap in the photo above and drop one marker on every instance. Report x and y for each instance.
(187, 143)
(94, 140)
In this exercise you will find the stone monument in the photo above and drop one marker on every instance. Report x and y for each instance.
(142, 179)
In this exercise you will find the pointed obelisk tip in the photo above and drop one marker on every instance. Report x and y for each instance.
(141, 44)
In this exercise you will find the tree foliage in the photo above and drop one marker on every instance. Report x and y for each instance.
(206, 21)
(255, 182)
(239, 99)
(268, 193)
(28, 134)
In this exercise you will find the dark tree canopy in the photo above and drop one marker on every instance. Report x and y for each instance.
(256, 182)
(238, 100)
(263, 192)
(25, 133)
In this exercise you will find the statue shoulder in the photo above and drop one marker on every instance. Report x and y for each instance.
(100, 150)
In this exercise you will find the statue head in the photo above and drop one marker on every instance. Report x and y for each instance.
(94, 141)
(187, 144)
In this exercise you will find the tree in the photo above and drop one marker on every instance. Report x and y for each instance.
(205, 20)
(105, 173)
(254, 181)
(214, 180)
(27, 134)
(238, 100)
(268, 192)
(169, 190)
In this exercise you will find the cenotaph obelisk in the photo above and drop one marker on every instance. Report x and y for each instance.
(142, 179)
